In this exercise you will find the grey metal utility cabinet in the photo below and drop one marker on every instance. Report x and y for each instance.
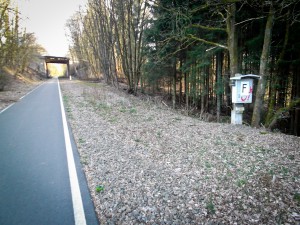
(242, 89)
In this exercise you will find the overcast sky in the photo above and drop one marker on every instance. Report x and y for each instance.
(47, 19)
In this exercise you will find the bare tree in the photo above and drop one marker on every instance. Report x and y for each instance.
(102, 39)
(130, 20)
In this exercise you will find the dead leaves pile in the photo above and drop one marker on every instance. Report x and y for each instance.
(158, 166)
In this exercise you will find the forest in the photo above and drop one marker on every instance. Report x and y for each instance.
(187, 50)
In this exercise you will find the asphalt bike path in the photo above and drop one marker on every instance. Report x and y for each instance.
(41, 180)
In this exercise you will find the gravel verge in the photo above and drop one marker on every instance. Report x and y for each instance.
(148, 164)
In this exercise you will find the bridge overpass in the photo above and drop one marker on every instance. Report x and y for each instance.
(56, 59)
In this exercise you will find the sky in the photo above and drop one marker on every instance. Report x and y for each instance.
(47, 19)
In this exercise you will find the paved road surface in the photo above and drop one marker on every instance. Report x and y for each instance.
(35, 184)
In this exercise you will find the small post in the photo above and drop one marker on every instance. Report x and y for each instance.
(237, 113)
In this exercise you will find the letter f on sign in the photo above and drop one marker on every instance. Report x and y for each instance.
(244, 87)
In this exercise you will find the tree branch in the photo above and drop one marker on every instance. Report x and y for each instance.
(257, 18)
(207, 42)
(208, 28)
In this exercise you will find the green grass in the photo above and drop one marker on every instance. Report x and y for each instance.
(123, 110)
(68, 109)
(252, 170)
(208, 165)
(91, 84)
(65, 98)
(113, 120)
(210, 207)
(218, 142)
(99, 188)
(84, 160)
(159, 134)
(241, 182)
(149, 119)
(103, 106)
(133, 110)
(284, 171)
(81, 105)
(263, 150)
(81, 141)
(233, 143)
(297, 197)
(67, 106)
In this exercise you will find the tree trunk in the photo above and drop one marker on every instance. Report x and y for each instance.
(174, 85)
(232, 39)
(226, 80)
(180, 83)
(219, 83)
(261, 87)
(279, 77)
(186, 86)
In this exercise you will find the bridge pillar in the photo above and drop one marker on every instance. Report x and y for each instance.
(46, 69)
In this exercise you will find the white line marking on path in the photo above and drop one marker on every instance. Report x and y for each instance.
(7, 108)
(79, 215)
(32, 90)
(22, 97)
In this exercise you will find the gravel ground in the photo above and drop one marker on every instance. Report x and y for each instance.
(147, 164)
